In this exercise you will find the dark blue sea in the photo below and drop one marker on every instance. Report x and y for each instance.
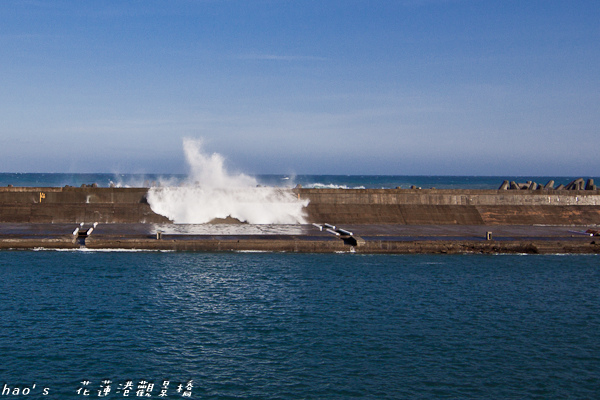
(308, 181)
(298, 326)
(117, 324)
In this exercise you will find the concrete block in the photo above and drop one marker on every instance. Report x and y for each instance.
(590, 184)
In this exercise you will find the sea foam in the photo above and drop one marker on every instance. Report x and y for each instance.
(211, 192)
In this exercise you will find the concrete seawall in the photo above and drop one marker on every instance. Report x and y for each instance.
(462, 207)
(75, 205)
(405, 221)
(349, 206)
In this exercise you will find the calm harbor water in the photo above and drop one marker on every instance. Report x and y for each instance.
(299, 326)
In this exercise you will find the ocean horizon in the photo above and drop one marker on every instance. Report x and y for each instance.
(280, 180)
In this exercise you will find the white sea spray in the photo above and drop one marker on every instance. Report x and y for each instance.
(210, 192)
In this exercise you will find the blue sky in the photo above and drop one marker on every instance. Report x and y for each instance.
(467, 87)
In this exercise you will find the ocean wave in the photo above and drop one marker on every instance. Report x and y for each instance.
(211, 192)
(331, 186)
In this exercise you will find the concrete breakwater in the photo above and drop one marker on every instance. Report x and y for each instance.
(452, 207)
(75, 205)
(350, 206)
(366, 220)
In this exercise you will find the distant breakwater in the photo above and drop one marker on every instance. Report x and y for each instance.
(576, 184)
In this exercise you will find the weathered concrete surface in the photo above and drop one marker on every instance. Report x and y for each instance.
(297, 245)
(373, 238)
(384, 221)
(382, 206)
(448, 197)
(477, 247)
(17, 243)
(69, 204)
(463, 207)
